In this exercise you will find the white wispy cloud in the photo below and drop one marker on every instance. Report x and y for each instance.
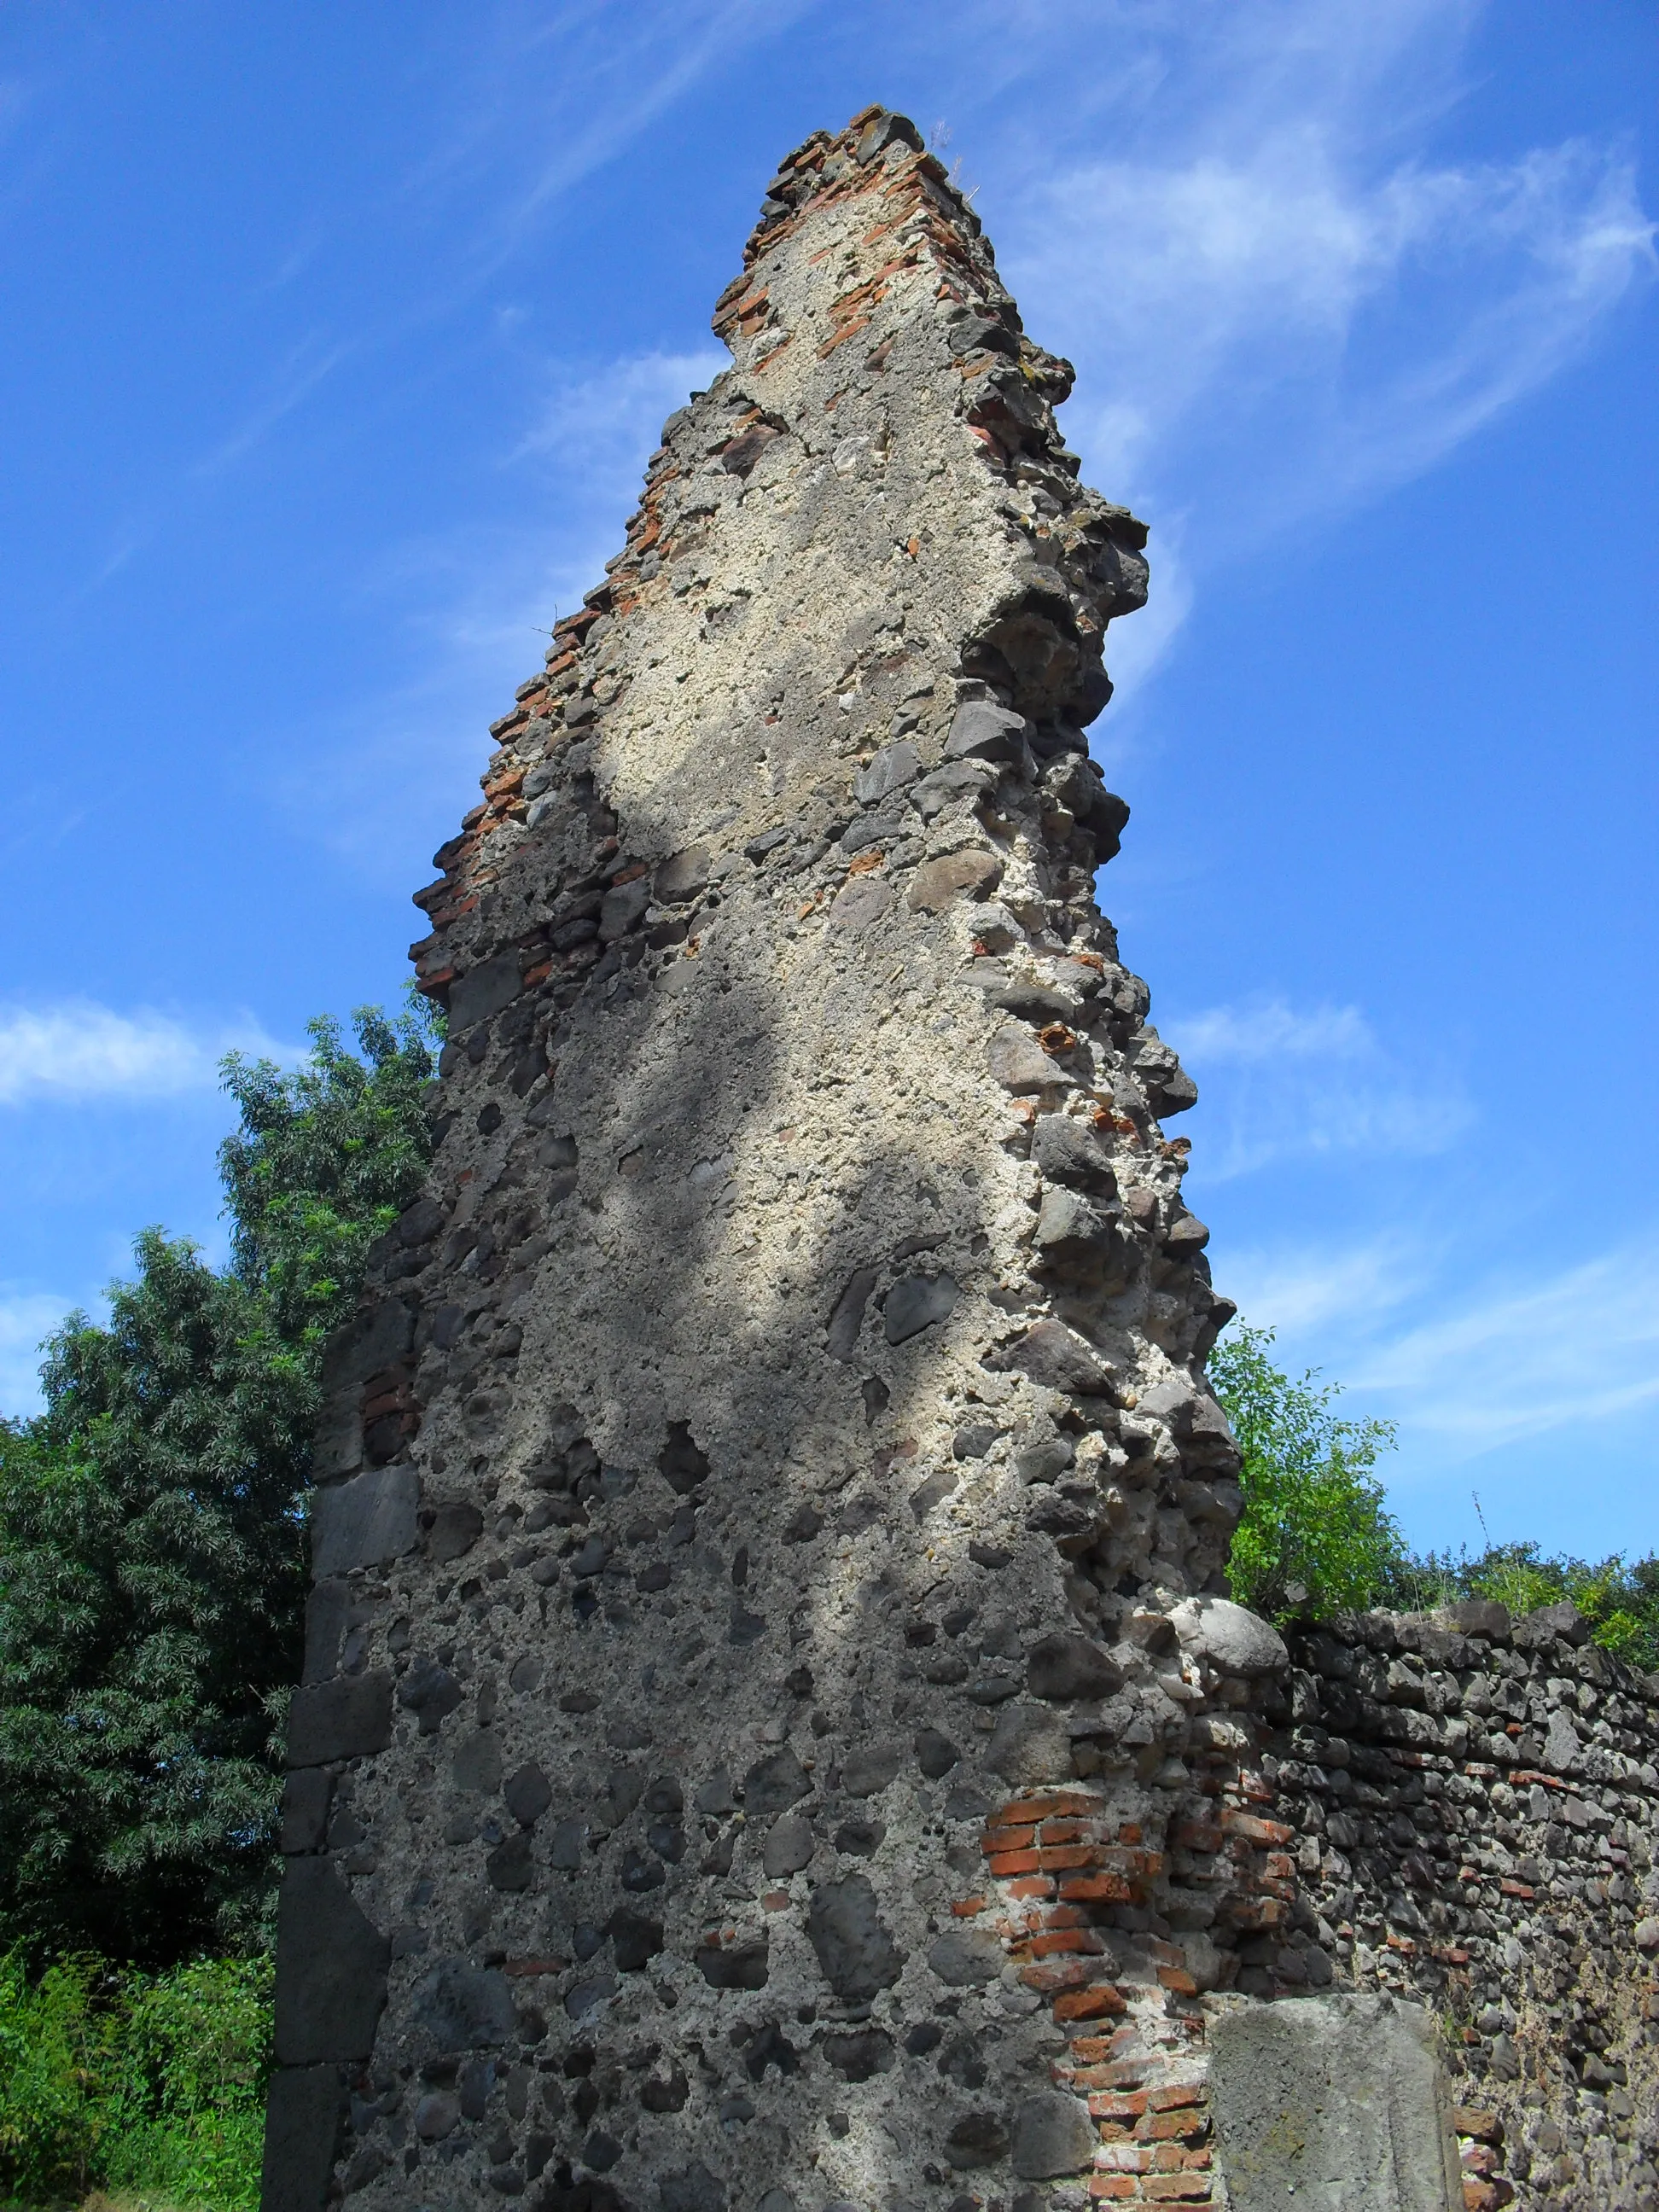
(1471, 1369)
(1297, 1292)
(1280, 300)
(482, 603)
(1274, 1082)
(79, 1051)
(544, 98)
(1518, 1357)
(598, 427)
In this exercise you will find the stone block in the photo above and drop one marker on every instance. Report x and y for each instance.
(984, 731)
(306, 1796)
(1234, 1640)
(458, 2007)
(1052, 2136)
(303, 2108)
(1055, 1358)
(370, 1342)
(346, 1718)
(364, 1521)
(857, 1953)
(482, 991)
(1030, 1744)
(939, 884)
(1338, 2101)
(332, 1969)
(966, 1958)
(329, 1609)
(1479, 1616)
(1062, 1667)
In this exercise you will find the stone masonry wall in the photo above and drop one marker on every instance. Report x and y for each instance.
(772, 1736)
(1473, 1816)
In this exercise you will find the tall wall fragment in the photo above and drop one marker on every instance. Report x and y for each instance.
(771, 1472)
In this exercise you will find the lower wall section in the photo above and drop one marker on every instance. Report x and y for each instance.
(1431, 1837)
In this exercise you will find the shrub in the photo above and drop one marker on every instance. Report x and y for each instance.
(1620, 1601)
(54, 2065)
(1316, 1536)
(135, 2082)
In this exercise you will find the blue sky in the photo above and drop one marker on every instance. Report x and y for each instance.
(335, 339)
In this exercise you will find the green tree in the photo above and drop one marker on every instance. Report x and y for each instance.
(152, 1533)
(1316, 1536)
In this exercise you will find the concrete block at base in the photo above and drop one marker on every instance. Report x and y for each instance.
(1333, 2101)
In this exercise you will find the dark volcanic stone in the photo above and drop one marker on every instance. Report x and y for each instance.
(772, 1785)
(858, 1955)
(332, 1980)
(935, 1753)
(916, 1302)
(462, 2008)
(346, 1718)
(1063, 1666)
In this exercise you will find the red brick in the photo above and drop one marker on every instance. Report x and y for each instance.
(1014, 1838)
(1081, 2079)
(1176, 2096)
(1009, 1863)
(1076, 1831)
(1097, 1889)
(1256, 1912)
(1177, 2189)
(1049, 1980)
(1032, 1885)
(1088, 2003)
(1115, 2188)
(1058, 1916)
(1041, 1808)
(1124, 2157)
(1068, 1855)
(1473, 2120)
(1055, 1941)
(1170, 2127)
(1254, 1830)
(1118, 2104)
(1197, 1836)
(969, 1906)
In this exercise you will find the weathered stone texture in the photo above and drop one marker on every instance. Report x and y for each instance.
(1337, 2101)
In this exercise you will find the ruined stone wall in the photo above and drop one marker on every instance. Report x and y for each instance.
(771, 1733)
(1472, 1815)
